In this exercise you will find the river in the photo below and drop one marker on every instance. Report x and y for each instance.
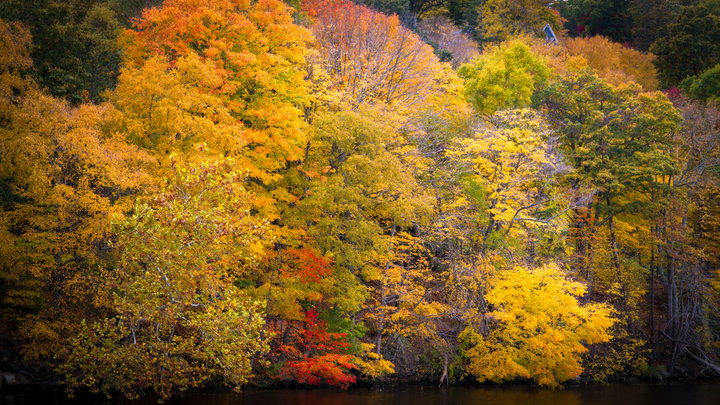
(705, 393)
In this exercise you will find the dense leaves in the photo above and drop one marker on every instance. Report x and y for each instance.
(506, 77)
(245, 192)
(537, 328)
(75, 52)
(174, 316)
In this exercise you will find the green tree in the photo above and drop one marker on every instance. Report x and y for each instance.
(689, 45)
(609, 18)
(650, 19)
(75, 51)
(616, 139)
(504, 77)
(620, 144)
(704, 87)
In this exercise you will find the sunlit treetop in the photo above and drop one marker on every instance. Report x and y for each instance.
(504, 77)
(371, 56)
(258, 55)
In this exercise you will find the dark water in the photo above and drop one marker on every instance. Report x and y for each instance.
(609, 394)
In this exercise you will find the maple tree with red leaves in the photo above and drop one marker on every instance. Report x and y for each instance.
(319, 356)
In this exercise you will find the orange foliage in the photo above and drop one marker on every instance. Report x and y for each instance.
(371, 56)
(306, 264)
(613, 62)
(257, 52)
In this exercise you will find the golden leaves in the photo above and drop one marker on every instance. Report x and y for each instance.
(537, 329)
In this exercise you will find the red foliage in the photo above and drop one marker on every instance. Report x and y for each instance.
(674, 94)
(306, 264)
(319, 356)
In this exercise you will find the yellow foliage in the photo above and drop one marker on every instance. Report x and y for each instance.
(174, 317)
(537, 329)
(372, 364)
(613, 62)
(512, 164)
(502, 19)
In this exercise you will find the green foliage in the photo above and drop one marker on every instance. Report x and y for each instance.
(75, 51)
(609, 18)
(650, 19)
(465, 14)
(617, 139)
(504, 77)
(690, 44)
(705, 87)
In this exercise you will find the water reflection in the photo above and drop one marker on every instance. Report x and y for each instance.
(609, 394)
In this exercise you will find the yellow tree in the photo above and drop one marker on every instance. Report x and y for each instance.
(511, 165)
(63, 179)
(167, 109)
(401, 304)
(360, 186)
(536, 330)
(502, 19)
(613, 62)
(173, 316)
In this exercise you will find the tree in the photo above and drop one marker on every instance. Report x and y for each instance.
(63, 179)
(409, 11)
(650, 19)
(512, 164)
(505, 77)
(502, 19)
(321, 357)
(370, 56)
(704, 87)
(466, 15)
(620, 143)
(686, 245)
(75, 51)
(614, 62)
(169, 111)
(360, 186)
(172, 315)
(258, 55)
(689, 45)
(609, 18)
(616, 138)
(401, 306)
(448, 41)
(536, 330)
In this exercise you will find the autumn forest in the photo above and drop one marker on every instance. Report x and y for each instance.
(234, 193)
